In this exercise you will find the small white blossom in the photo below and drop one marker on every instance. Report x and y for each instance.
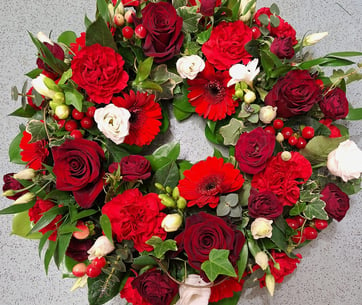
(27, 197)
(261, 227)
(190, 66)
(171, 222)
(25, 174)
(312, 39)
(44, 38)
(242, 73)
(267, 114)
(39, 85)
(101, 247)
(192, 295)
(262, 260)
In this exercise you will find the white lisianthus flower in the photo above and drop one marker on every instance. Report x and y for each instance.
(101, 247)
(44, 38)
(192, 295)
(242, 73)
(262, 260)
(40, 87)
(190, 66)
(113, 122)
(345, 161)
(261, 227)
(247, 16)
(312, 39)
(25, 174)
(270, 283)
(267, 114)
(171, 222)
(27, 197)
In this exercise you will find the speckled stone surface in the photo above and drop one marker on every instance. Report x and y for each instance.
(330, 272)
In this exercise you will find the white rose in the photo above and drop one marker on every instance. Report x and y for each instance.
(190, 66)
(101, 247)
(113, 122)
(171, 222)
(261, 227)
(193, 295)
(40, 87)
(267, 114)
(345, 161)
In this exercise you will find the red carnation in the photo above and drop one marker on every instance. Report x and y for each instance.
(207, 180)
(335, 132)
(136, 217)
(225, 289)
(79, 43)
(210, 94)
(33, 153)
(145, 117)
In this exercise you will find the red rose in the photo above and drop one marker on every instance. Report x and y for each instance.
(282, 47)
(78, 248)
(78, 168)
(155, 287)
(337, 202)
(335, 132)
(99, 71)
(131, 294)
(164, 31)
(226, 45)
(253, 150)
(207, 7)
(335, 104)
(12, 184)
(36, 212)
(204, 232)
(136, 217)
(264, 204)
(294, 94)
(133, 167)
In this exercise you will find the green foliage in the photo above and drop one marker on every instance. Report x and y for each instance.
(166, 175)
(218, 264)
(73, 97)
(161, 246)
(67, 37)
(190, 18)
(232, 131)
(21, 226)
(98, 32)
(102, 9)
(315, 209)
(164, 155)
(243, 260)
(14, 148)
(106, 227)
(17, 208)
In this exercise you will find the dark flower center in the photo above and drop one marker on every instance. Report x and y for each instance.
(216, 91)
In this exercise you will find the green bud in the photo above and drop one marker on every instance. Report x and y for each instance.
(181, 203)
(8, 193)
(167, 201)
(168, 189)
(159, 186)
(62, 111)
(175, 193)
(58, 98)
(239, 93)
(51, 84)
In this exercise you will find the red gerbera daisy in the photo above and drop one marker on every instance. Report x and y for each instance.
(210, 95)
(207, 180)
(33, 153)
(145, 116)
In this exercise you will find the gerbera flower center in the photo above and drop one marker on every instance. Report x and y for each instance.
(216, 90)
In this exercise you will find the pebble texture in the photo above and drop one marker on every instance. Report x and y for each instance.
(330, 272)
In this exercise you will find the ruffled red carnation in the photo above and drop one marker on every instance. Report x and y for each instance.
(37, 211)
(207, 180)
(335, 132)
(79, 43)
(33, 153)
(284, 177)
(131, 294)
(136, 217)
(225, 289)
(210, 94)
(145, 116)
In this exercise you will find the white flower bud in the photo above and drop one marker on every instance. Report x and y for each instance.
(245, 18)
(249, 96)
(261, 227)
(286, 155)
(27, 197)
(312, 39)
(62, 111)
(270, 283)
(279, 137)
(44, 38)
(262, 260)
(25, 174)
(267, 114)
(101, 247)
(190, 66)
(171, 222)
(39, 85)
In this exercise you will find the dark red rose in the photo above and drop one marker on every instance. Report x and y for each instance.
(78, 168)
(226, 45)
(264, 204)
(155, 287)
(134, 167)
(204, 232)
(99, 71)
(207, 7)
(58, 53)
(131, 295)
(282, 47)
(335, 104)
(294, 94)
(337, 202)
(253, 150)
(335, 132)
(164, 31)
(78, 248)
(12, 184)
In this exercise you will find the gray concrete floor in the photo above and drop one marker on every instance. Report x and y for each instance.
(330, 272)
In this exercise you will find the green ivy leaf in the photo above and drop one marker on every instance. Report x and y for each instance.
(232, 131)
(315, 209)
(297, 209)
(190, 18)
(98, 32)
(37, 130)
(218, 264)
(73, 97)
(161, 246)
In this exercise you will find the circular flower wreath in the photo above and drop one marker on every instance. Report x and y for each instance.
(154, 228)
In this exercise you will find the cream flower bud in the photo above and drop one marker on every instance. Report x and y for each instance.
(286, 155)
(262, 260)
(101, 247)
(190, 295)
(39, 85)
(111, 10)
(249, 96)
(171, 222)
(245, 18)
(62, 111)
(267, 114)
(189, 66)
(261, 227)
(113, 122)
(120, 9)
(25, 174)
(270, 283)
(312, 39)
(27, 197)
(279, 137)
(8, 193)
(44, 38)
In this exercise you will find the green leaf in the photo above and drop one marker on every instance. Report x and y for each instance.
(274, 21)
(297, 209)
(190, 18)
(106, 227)
(37, 130)
(62, 245)
(28, 112)
(315, 209)
(167, 175)
(264, 19)
(17, 208)
(182, 103)
(65, 76)
(274, 9)
(14, 148)
(98, 32)
(354, 114)
(345, 54)
(84, 214)
(181, 115)
(144, 69)
(164, 155)
(43, 240)
(73, 97)
(150, 85)
(218, 264)
(184, 165)
(144, 260)
(21, 226)
(34, 73)
(67, 37)
(160, 74)
(161, 246)
(179, 3)
(232, 131)
(204, 36)
(116, 152)
(47, 218)
(102, 7)
(243, 260)
(87, 22)
(279, 239)
(49, 254)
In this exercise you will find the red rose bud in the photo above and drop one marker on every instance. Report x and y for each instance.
(207, 7)
(264, 204)
(283, 47)
(337, 202)
(335, 104)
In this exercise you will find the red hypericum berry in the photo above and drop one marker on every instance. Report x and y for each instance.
(287, 132)
(129, 16)
(61, 123)
(99, 262)
(320, 224)
(292, 223)
(77, 115)
(298, 238)
(70, 125)
(269, 129)
(292, 140)
(278, 124)
(86, 122)
(118, 19)
(310, 233)
(140, 31)
(76, 134)
(301, 143)
(320, 83)
(90, 111)
(84, 233)
(255, 32)
(308, 132)
(93, 271)
(127, 32)
(300, 220)
(79, 270)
